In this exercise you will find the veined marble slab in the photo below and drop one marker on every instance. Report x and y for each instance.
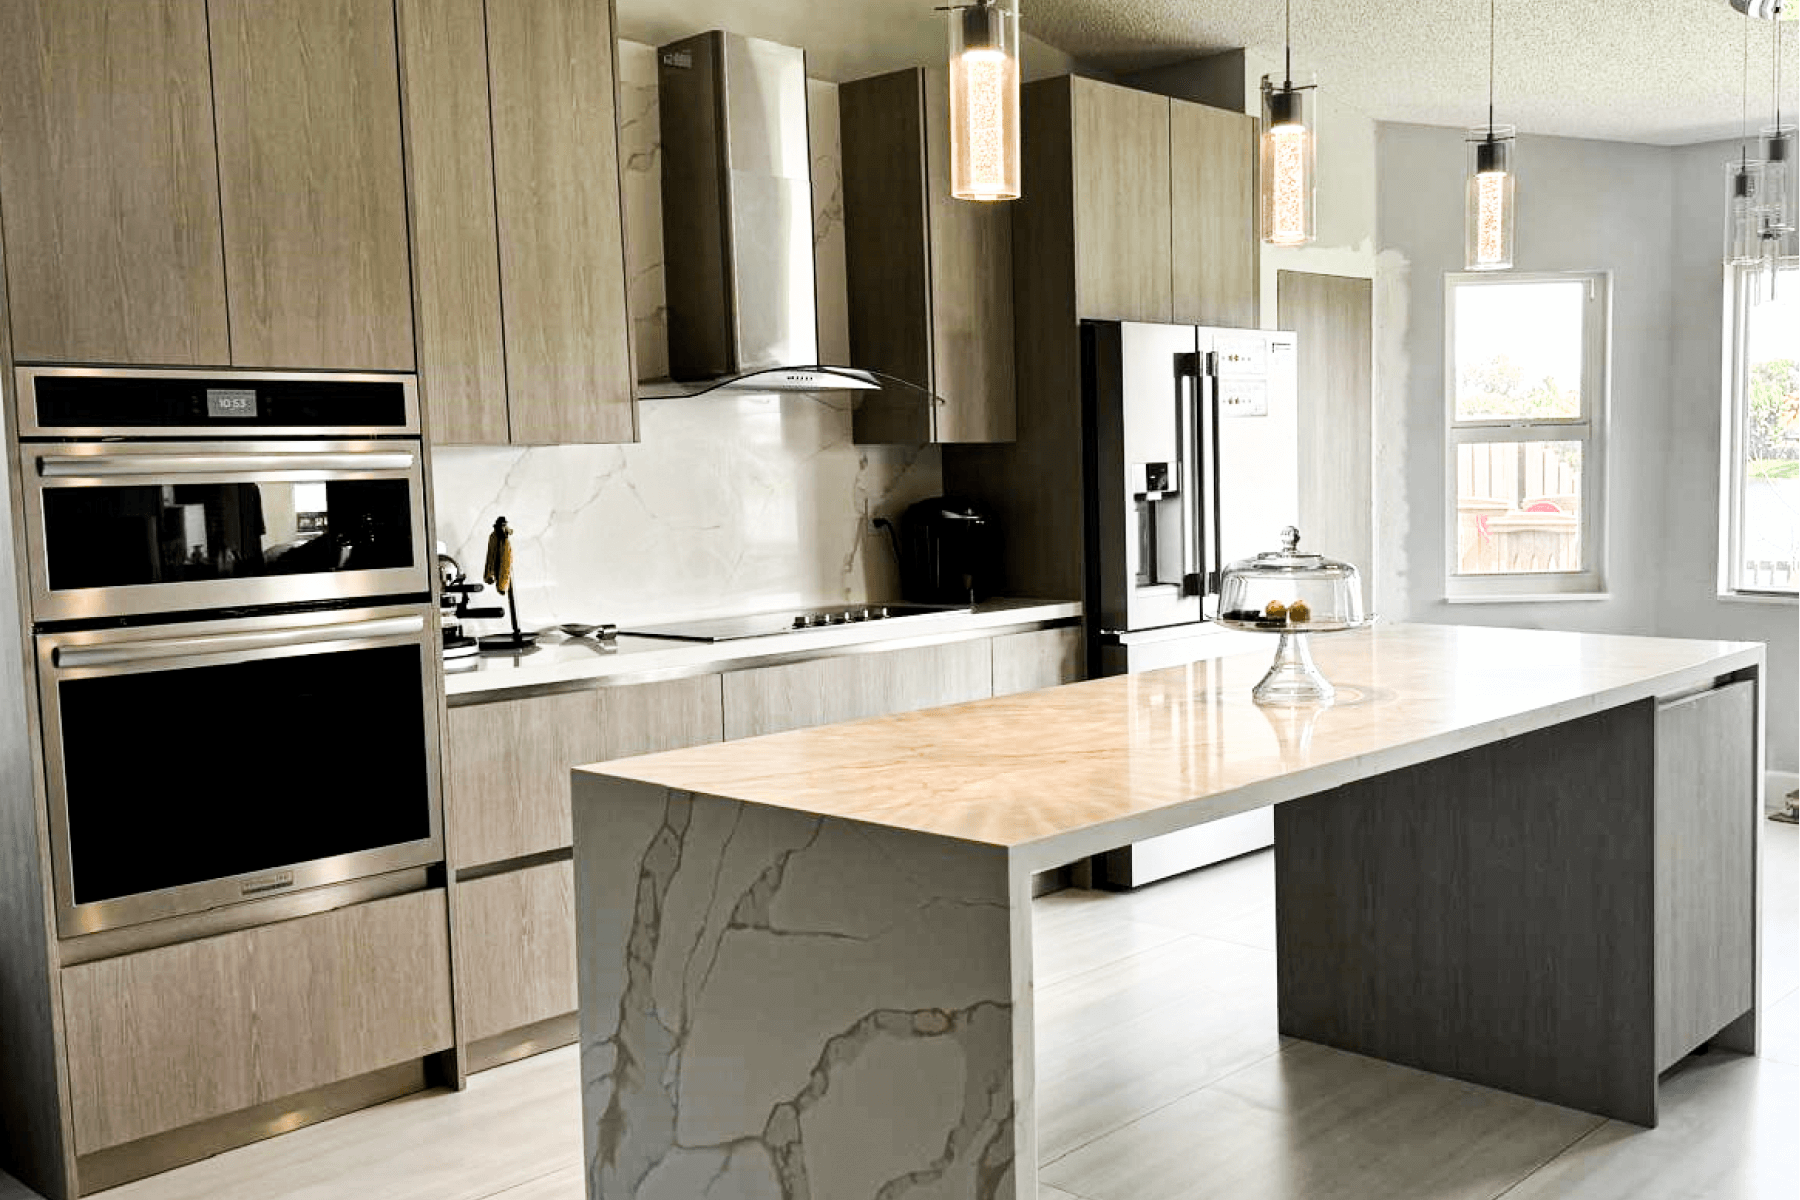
(792, 1007)
(1057, 774)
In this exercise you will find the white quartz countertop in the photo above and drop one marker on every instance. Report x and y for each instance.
(565, 661)
(1074, 770)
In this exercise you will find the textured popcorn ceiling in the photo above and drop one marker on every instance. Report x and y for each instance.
(1665, 71)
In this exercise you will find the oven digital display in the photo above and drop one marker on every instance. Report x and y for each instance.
(231, 402)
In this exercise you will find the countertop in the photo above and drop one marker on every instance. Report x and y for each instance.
(562, 662)
(1077, 769)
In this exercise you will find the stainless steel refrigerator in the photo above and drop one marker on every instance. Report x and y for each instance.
(1190, 447)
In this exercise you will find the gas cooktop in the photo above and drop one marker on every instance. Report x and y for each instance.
(727, 629)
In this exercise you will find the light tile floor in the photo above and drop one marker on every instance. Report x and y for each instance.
(1161, 1077)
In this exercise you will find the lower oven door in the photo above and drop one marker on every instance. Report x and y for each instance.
(198, 765)
(127, 528)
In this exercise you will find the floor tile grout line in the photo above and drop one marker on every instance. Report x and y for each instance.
(1525, 1178)
(1111, 964)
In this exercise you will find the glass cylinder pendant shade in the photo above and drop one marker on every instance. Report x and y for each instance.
(1780, 185)
(1743, 213)
(984, 101)
(1492, 212)
(1289, 155)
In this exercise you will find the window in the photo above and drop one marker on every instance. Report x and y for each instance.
(1761, 538)
(1525, 386)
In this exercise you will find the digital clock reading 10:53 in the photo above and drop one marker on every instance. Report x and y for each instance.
(230, 402)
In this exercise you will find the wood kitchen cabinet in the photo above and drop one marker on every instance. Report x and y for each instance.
(1214, 263)
(1041, 658)
(1158, 197)
(110, 183)
(163, 1038)
(519, 260)
(929, 276)
(516, 948)
(1121, 203)
(311, 185)
(847, 687)
(507, 792)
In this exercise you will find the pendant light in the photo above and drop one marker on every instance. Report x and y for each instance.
(1743, 183)
(984, 100)
(1491, 214)
(1780, 185)
(1289, 154)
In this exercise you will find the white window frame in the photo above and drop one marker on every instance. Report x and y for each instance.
(1739, 281)
(1588, 428)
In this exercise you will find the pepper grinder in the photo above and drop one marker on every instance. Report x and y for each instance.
(498, 571)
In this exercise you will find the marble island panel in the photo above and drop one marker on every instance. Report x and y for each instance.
(1056, 774)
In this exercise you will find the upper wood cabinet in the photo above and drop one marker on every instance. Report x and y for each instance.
(1214, 262)
(930, 277)
(311, 183)
(519, 235)
(110, 184)
(1122, 203)
(1158, 198)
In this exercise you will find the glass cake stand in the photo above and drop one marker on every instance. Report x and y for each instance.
(1294, 594)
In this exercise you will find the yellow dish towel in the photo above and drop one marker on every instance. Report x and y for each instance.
(498, 568)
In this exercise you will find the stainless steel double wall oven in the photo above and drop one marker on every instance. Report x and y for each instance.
(230, 589)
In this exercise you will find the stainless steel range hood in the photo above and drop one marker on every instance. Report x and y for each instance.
(737, 223)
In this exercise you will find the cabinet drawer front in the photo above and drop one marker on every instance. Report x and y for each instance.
(1025, 662)
(175, 1035)
(350, 991)
(515, 948)
(158, 1040)
(649, 717)
(826, 690)
(509, 763)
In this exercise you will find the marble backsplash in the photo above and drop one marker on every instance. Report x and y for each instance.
(725, 504)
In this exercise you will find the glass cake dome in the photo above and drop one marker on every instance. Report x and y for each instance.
(1293, 593)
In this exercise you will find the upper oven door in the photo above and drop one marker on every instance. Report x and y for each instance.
(92, 402)
(126, 528)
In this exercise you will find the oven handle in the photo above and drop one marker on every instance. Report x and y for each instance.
(83, 466)
(208, 645)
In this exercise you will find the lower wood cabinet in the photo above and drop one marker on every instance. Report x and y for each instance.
(168, 1037)
(822, 691)
(507, 791)
(1025, 662)
(515, 948)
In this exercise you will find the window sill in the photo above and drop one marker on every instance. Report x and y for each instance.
(1776, 598)
(1523, 598)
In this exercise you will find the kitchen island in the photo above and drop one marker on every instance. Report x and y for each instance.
(1521, 858)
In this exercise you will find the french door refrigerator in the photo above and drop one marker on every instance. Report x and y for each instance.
(1190, 461)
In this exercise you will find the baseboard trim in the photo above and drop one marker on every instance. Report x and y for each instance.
(523, 1042)
(160, 1152)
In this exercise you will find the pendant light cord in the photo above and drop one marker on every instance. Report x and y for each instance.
(1490, 70)
(1288, 41)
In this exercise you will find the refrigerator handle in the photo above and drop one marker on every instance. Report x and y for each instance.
(1189, 374)
(1217, 579)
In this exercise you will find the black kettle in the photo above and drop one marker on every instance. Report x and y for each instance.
(949, 551)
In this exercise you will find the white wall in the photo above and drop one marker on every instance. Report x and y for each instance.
(1649, 215)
